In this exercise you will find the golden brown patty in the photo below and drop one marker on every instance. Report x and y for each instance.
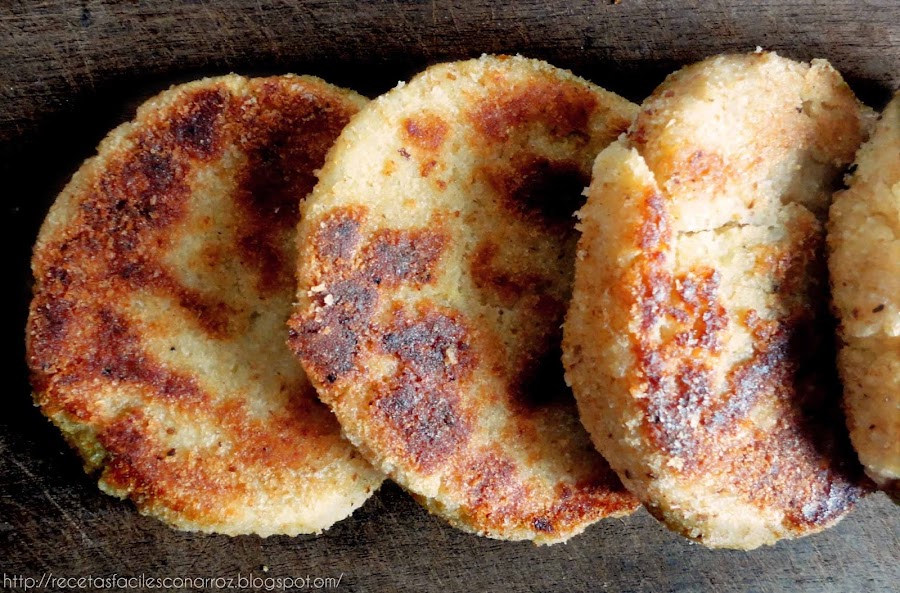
(864, 237)
(435, 265)
(697, 342)
(163, 279)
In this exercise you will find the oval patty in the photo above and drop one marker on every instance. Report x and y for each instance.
(864, 239)
(698, 340)
(436, 258)
(163, 279)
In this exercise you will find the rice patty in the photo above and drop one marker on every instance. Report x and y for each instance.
(863, 232)
(435, 264)
(698, 341)
(163, 280)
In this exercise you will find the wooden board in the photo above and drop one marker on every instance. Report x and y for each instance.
(70, 71)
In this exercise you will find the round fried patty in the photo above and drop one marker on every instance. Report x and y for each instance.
(163, 280)
(436, 257)
(864, 238)
(698, 340)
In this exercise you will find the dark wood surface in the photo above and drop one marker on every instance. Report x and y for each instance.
(70, 71)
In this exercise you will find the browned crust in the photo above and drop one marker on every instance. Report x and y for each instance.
(802, 465)
(105, 246)
(712, 392)
(436, 342)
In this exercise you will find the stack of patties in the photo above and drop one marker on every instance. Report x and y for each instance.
(436, 260)
(163, 280)
(698, 342)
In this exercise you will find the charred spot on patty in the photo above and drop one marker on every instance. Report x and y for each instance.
(539, 189)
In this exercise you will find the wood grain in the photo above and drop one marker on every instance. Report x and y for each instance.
(70, 71)
(61, 50)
